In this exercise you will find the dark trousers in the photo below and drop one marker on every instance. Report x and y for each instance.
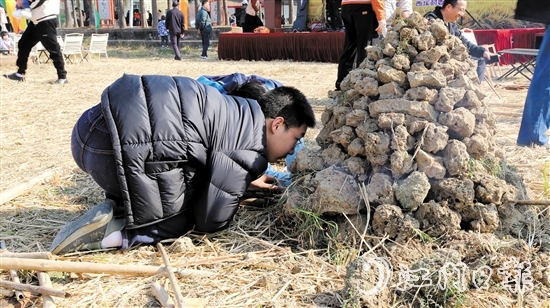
(175, 40)
(333, 11)
(205, 36)
(164, 40)
(360, 23)
(92, 151)
(44, 32)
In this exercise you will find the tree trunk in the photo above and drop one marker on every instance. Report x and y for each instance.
(219, 9)
(290, 12)
(68, 16)
(143, 14)
(119, 7)
(225, 13)
(91, 11)
(155, 14)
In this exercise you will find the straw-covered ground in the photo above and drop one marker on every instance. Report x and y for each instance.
(257, 262)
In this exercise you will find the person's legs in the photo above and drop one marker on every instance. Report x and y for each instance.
(205, 36)
(174, 40)
(92, 151)
(364, 20)
(172, 227)
(481, 68)
(350, 40)
(536, 112)
(48, 37)
(26, 43)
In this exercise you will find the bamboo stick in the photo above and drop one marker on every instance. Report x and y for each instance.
(13, 274)
(533, 202)
(33, 289)
(27, 255)
(20, 189)
(44, 280)
(162, 296)
(93, 268)
(173, 281)
(81, 267)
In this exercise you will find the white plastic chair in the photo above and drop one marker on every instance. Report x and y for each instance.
(98, 44)
(73, 46)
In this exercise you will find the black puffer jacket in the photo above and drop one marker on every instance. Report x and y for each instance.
(473, 49)
(180, 144)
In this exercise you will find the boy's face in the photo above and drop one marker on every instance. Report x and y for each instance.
(281, 139)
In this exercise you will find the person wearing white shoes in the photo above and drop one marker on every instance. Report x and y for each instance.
(203, 23)
(43, 29)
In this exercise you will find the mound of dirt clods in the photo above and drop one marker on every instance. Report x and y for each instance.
(407, 156)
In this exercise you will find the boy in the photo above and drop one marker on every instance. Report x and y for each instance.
(174, 155)
(163, 33)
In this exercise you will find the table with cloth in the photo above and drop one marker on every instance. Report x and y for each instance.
(299, 46)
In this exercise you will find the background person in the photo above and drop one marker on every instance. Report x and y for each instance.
(175, 24)
(189, 152)
(6, 43)
(536, 112)
(450, 12)
(203, 23)
(163, 33)
(43, 29)
(390, 7)
(362, 19)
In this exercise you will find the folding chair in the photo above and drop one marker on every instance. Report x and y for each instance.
(98, 44)
(73, 46)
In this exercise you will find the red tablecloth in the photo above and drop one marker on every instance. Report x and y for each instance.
(327, 46)
(318, 46)
(508, 38)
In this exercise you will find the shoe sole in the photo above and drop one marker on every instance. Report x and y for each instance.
(85, 224)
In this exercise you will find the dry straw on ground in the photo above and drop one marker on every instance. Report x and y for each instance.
(253, 263)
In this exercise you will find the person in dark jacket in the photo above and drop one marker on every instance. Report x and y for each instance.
(175, 155)
(175, 24)
(450, 12)
(203, 23)
(536, 112)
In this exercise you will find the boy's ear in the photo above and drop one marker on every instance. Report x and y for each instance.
(277, 123)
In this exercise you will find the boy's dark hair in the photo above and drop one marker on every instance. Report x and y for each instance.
(162, 17)
(289, 103)
(3, 33)
(203, 1)
(253, 89)
(175, 3)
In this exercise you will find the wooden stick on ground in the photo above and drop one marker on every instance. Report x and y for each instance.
(22, 188)
(33, 289)
(173, 281)
(92, 268)
(533, 202)
(13, 274)
(44, 280)
(162, 296)
(27, 255)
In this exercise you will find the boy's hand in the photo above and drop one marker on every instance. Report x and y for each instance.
(264, 182)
